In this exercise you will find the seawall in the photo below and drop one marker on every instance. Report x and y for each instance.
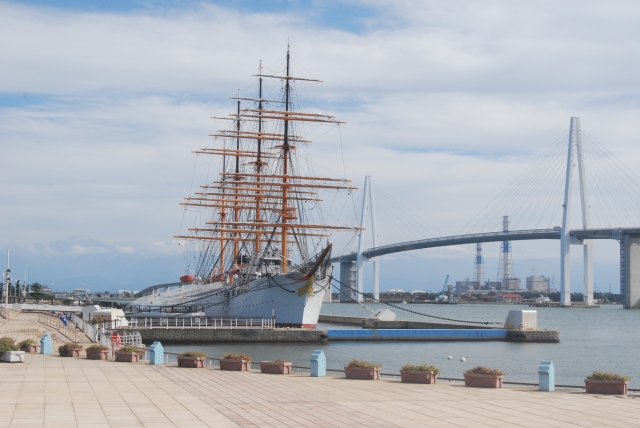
(210, 335)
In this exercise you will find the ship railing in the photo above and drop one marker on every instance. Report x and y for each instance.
(201, 322)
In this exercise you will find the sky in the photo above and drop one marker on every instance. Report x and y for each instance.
(445, 104)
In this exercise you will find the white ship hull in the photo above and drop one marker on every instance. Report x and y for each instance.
(263, 297)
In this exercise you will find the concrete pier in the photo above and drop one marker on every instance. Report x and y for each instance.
(211, 335)
(373, 323)
(630, 271)
(416, 334)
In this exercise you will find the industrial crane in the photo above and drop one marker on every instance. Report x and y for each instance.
(443, 295)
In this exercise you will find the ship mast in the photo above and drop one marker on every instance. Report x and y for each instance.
(285, 214)
(265, 200)
(259, 159)
(236, 210)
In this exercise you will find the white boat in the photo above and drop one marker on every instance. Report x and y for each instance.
(262, 246)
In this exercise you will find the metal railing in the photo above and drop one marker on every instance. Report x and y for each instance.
(202, 322)
(54, 322)
(89, 329)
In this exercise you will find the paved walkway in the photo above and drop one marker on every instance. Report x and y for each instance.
(51, 391)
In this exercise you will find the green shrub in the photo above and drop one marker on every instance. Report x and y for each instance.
(280, 360)
(598, 375)
(27, 342)
(363, 364)
(62, 349)
(193, 354)
(7, 344)
(71, 345)
(485, 371)
(98, 348)
(130, 349)
(237, 357)
(421, 368)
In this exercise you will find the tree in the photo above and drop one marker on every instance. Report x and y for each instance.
(36, 288)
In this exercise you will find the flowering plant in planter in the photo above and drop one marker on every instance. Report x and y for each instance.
(278, 366)
(97, 352)
(484, 371)
(128, 354)
(9, 351)
(7, 344)
(606, 382)
(70, 349)
(29, 345)
(191, 359)
(419, 373)
(235, 362)
(358, 369)
(483, 377)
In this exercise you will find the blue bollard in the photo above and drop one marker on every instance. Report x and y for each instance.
(46, 344)
(156, 353)
(547, 375)
(318, 364)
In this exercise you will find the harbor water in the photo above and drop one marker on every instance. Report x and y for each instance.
(590, 339)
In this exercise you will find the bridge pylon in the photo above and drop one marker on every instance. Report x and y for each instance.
(368, 213)
(575, 158)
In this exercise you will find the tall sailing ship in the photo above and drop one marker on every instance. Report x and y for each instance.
(264, 249)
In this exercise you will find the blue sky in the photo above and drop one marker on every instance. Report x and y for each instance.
(446, 103)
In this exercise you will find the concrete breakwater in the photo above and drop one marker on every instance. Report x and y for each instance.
(211, 335)
(398, 324)
(373, 329)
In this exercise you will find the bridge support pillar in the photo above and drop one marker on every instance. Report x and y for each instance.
(575, 145)
(348, 274)
(630, 271)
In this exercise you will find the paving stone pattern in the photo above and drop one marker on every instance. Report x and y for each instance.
(50, 391)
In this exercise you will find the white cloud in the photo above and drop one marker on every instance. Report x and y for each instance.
(445, 103)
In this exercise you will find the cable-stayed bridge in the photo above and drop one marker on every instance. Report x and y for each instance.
(351, 264)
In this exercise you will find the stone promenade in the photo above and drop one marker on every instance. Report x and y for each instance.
(50, 391)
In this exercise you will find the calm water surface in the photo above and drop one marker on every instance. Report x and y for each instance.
(607, 338)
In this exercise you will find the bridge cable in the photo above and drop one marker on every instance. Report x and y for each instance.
(409, 310)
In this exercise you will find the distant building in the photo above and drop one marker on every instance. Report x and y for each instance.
(492, 285)
(466, 286)
(80, 292)
(538, 284)
(510, 284)
(509, 298)
(46, 290)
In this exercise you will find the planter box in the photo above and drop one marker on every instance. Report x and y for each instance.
(362, 373)
(418, 376)
(70, 352)
(191, 362)
(13, 357)
(127, 357)
(594, 386)
(97, 354)
(483, 380)
(35, 348)
(273, 367)
(234, 365)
